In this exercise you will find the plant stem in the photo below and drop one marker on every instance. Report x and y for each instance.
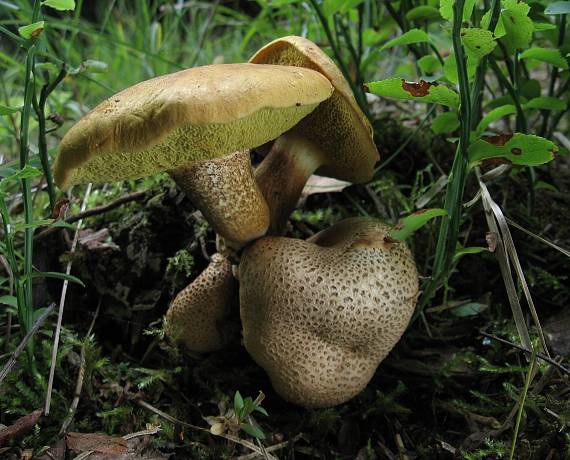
(27, 305)
(529, 377)
(454, 195)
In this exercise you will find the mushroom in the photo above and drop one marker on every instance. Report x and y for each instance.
(195, 124)
(320, 315)
(334, 140)
(197, 317)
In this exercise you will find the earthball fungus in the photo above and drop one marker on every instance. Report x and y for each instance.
(320, 315)
(197, 317)
(196, 124)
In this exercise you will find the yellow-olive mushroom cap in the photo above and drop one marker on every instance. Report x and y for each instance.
(320, 315)
(338, 126)
(196, 316)
(196, 114)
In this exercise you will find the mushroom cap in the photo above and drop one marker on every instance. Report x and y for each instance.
(196, 316)
(337, 126)
(196, 114)
(320, 315)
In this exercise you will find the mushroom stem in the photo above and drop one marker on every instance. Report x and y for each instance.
(283, 173)
(225, 191)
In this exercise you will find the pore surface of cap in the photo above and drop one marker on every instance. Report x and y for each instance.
(338, 125)
(195, 114)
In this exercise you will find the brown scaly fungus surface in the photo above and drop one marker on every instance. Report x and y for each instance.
(196, 317)
(320, 315)
(334, 140)
(177, 121)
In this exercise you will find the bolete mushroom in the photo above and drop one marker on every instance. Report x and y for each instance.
(334, 140)
(192, 123)
(320, 315)
(197, 316)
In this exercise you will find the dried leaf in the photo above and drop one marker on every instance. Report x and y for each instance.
(96, 442)
(320, 184)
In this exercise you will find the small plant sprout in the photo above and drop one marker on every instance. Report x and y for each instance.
(239, 417)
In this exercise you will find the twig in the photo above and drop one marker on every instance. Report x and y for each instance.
(95, 211)
(20, 427)
(61, 305)
(526, 350)
(272, 448)
(81, 374)
(8, 366)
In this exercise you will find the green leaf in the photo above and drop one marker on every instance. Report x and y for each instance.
(372, 37)
(252, 430)
(549, 55)
(9, 300)
(469, 309)
(238, 404)
(518, 149)
(545, 103)
(31, 30)
(409, 224)
(39, 223)
(446, 9)
(518, 26)
(445, 122)
(4, 110)
(558, 8)
(410, 37)
(478, 42)
(331, 7)
(261, 410)
(60, 5)
(450, 68)
(429, 64)
(493, 116)
(423, 13)
(56, 275)
(410, 91)
(26, 173)
(540, 26)
(468, 250)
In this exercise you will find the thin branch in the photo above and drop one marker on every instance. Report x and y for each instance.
(18, 351)
(542, 356)
(61, 305)
(136, 196)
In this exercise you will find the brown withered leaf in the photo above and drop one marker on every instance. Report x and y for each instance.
(499, 139)
(96, 442)
(491, 238)
(60, 209)
(417, 89)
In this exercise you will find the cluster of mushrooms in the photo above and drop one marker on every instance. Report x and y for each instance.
(318, 315)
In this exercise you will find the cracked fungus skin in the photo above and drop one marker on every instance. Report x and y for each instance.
(320, 315)
(196, 114)
(196, 316)
(232, 178)
(343, 133)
